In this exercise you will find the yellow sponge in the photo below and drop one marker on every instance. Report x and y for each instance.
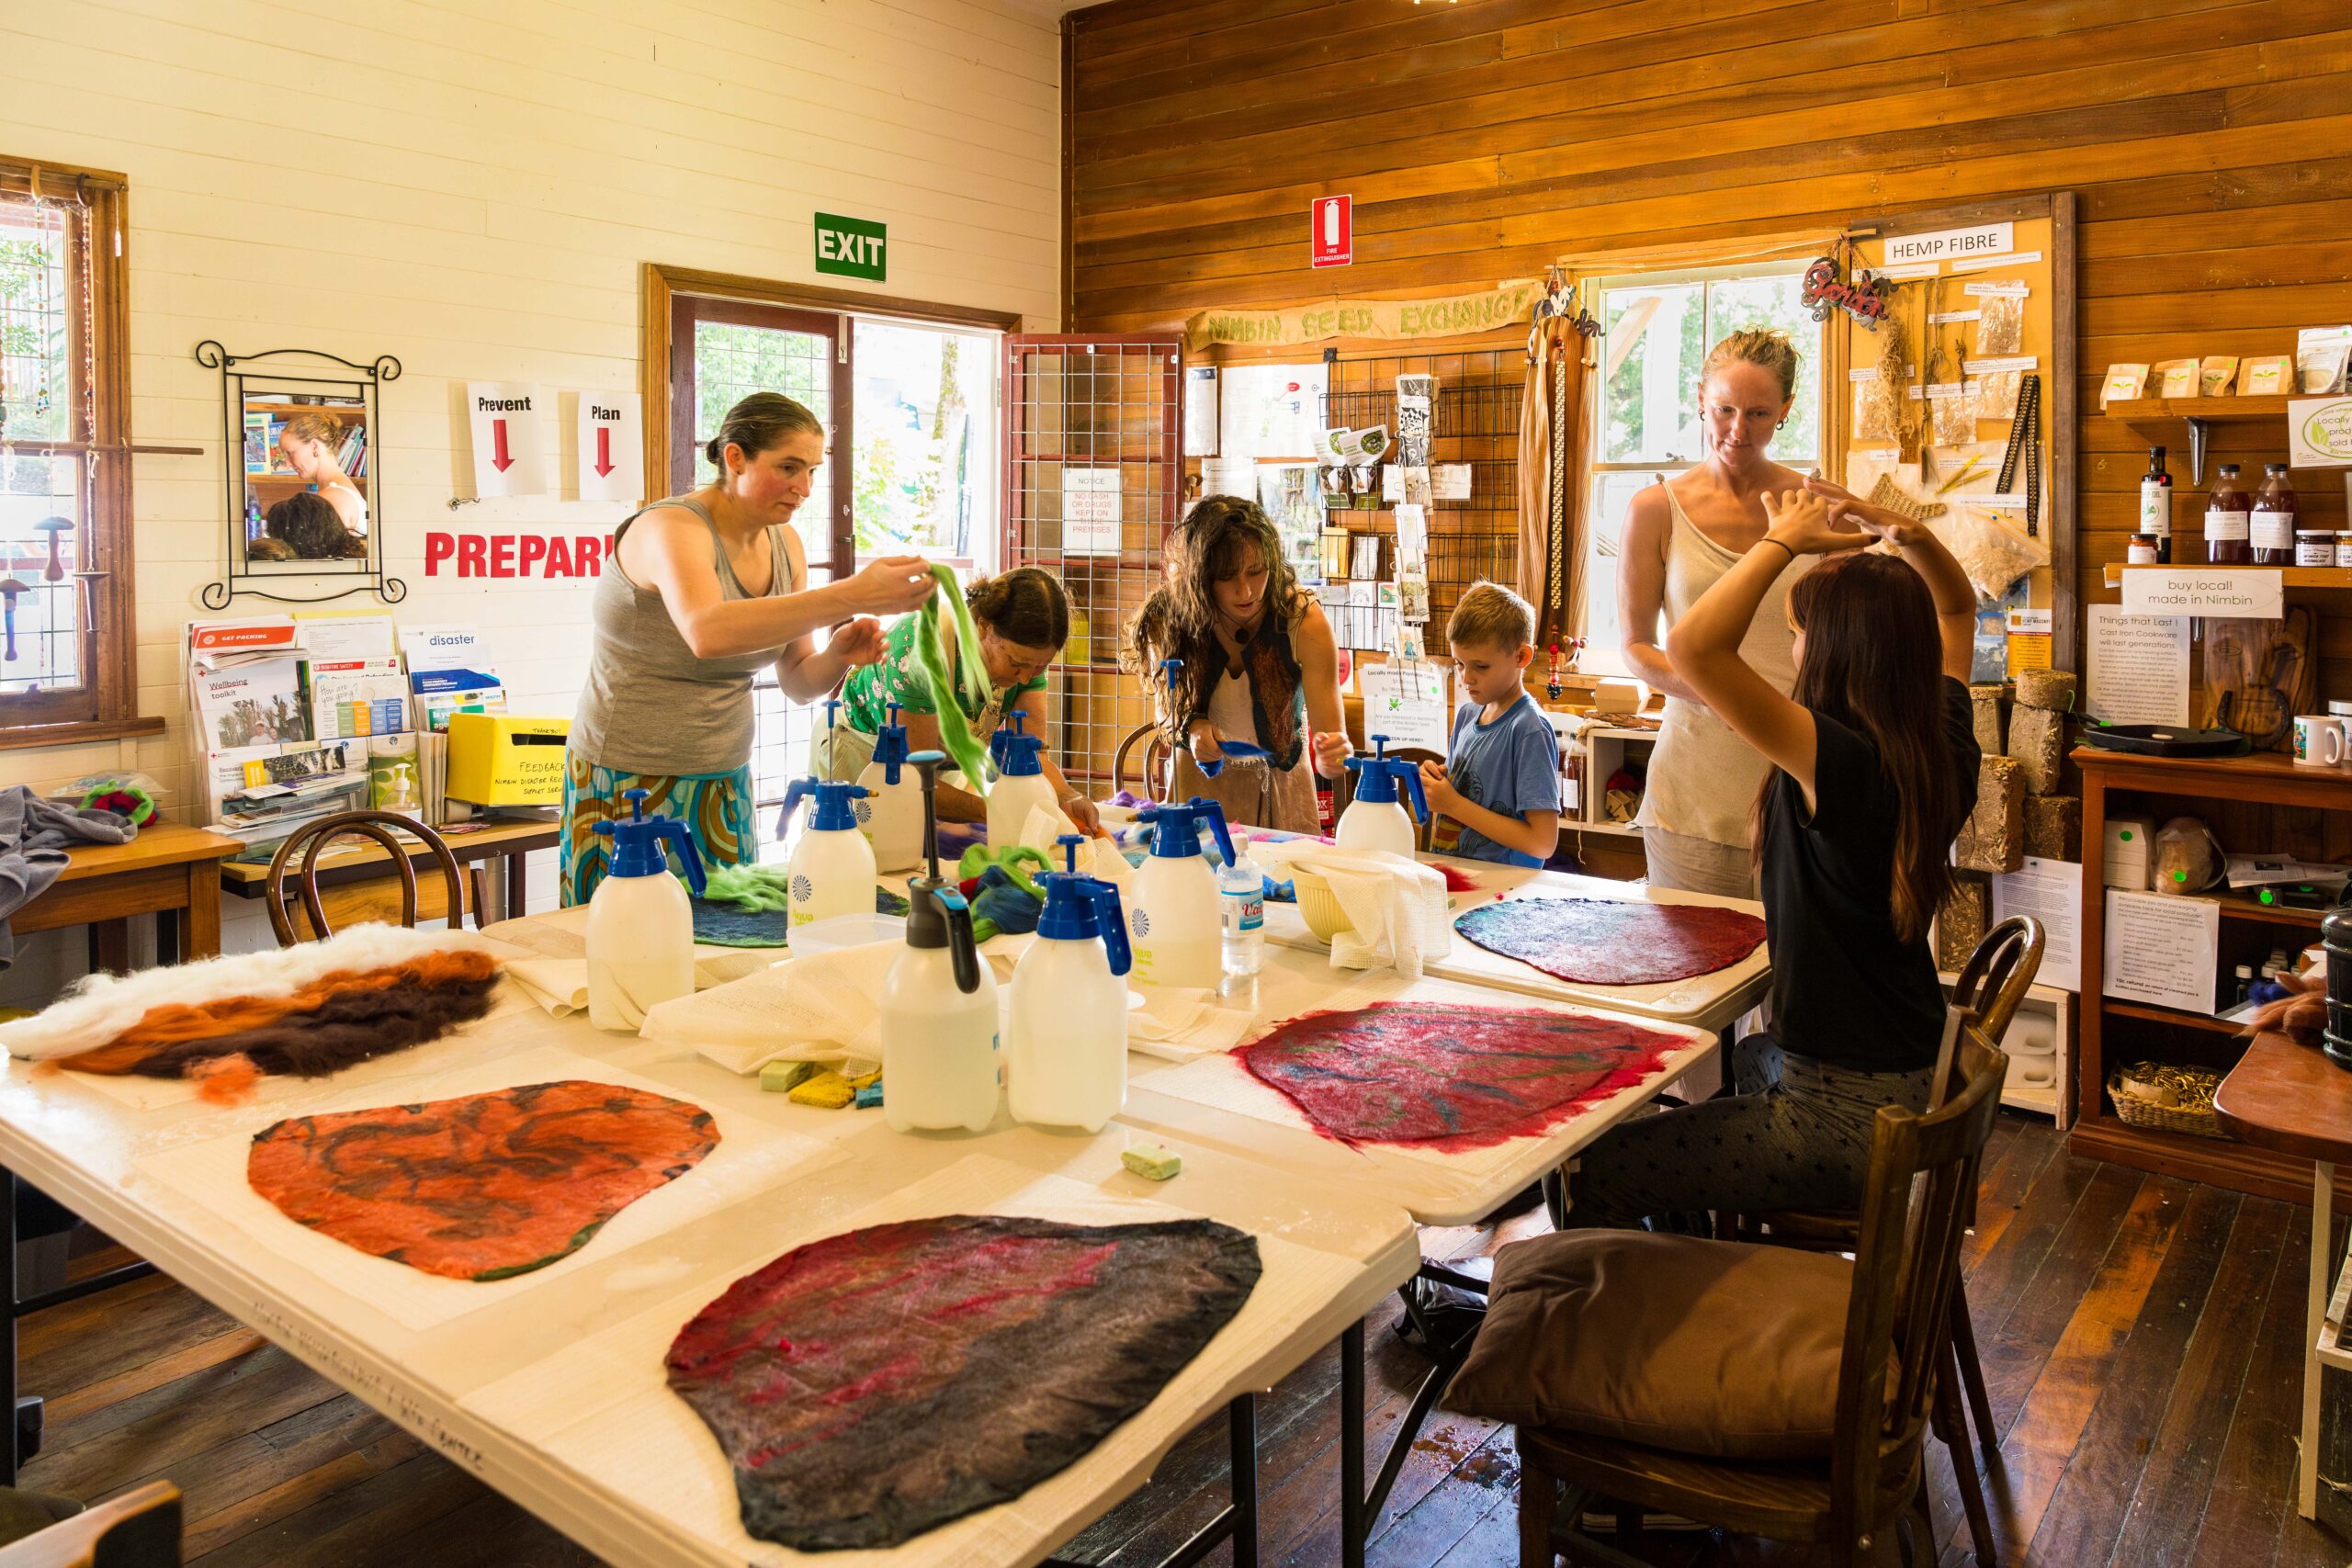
(1151, 1162)
(827, 1089)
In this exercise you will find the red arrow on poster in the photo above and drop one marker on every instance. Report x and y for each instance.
(1331, 232)
(604, 451)
(498, 457)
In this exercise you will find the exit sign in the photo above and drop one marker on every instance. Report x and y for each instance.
(853, 247)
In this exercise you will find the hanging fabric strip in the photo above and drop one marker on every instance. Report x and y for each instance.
(2025, 442)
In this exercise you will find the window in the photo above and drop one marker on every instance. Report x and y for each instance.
(1656, 334)
(66, 624)
(918, 474)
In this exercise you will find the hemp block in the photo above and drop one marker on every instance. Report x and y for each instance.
(1960, 923)
(783, 1078)
(2038, 740)
(2052, 691)
(1986, 702)
(2053, 826)
(1150, 1161)
(827, 1090)
(1994, 838)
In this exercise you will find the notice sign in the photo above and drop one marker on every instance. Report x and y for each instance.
(611, 427)
(2318, 433)
(1949, 245)
(1090, 511)
(2137, 668)
(852, 247)
(2231, 593)
(509, 452)
(1331, 236)
(1407, 704)
(2161, 949)
(2052, 892)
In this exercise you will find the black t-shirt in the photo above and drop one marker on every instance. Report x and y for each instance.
(1845, 989)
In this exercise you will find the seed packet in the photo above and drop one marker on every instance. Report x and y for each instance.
(1954, 412)
(2124, 383)
(2265, 376)
(2320, 357)
(2214, 374)
(2173, 378)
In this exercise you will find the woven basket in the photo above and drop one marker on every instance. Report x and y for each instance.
(2197, 1121)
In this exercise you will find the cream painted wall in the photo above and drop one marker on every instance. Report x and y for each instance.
(472, 186)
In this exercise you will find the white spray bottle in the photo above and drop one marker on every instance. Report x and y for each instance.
(937, 1011)
(1376, 819)
(640, 923)
(1177, 928)
(833, 867)
(891, 813)
(1021, 785)
(1066, 1045)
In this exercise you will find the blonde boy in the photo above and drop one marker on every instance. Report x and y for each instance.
(1501, 777)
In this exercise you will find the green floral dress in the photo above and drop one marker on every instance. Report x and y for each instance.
(897, 678)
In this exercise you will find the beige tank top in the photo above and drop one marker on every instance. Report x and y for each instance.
(650, 705)
(1703, 778)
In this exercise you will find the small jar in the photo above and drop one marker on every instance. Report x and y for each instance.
(2314, 547)
(2344, 548)
(2141, 551)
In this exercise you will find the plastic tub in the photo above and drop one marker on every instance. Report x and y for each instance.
(1319, 906)
(846, 931)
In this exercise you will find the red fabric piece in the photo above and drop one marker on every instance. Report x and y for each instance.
(484, 1186)
(1457, 881)
(872, 1386)
(1450, 1077)
(1613, 941)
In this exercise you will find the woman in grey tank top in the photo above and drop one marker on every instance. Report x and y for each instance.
(700, 592)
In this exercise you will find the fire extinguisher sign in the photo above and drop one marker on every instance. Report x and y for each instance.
(1332, 238)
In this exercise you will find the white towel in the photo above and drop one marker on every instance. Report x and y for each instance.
(1396, 906)
(818, 1009)
(1177, 1023)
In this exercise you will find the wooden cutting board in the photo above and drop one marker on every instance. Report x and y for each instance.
(2260, 675)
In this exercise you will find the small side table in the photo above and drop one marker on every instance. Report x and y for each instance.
(168, 871)
(2293, 1100)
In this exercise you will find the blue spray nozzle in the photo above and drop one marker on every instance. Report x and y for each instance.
(637, 843)
(1004, 741)
(1176, 828)
(1378, 776)
(832, 797)
(890, 747)
(1080, 908)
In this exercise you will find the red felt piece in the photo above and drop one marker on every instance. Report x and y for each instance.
(1614, 942)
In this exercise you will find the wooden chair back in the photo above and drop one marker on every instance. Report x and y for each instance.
(1149, 779)
(312, 838)
(138, 1529)
(1906, 1264)
(1999, 972)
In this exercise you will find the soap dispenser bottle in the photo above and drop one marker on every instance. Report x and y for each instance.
(640, 923)
(1066, 1043)
(937, 1013)
(891, 813)
(1177, 928)
(1376, 819)
(1021, 785)
(833, 867)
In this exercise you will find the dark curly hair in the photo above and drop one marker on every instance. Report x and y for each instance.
(1220, 538)
(1025, 605)
(310, 528)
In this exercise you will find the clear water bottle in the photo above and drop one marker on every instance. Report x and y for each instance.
(1241, 887)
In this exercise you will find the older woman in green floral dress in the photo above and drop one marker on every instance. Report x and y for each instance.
(1022, 619)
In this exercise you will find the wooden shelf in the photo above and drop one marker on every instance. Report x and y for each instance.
(2172, 1016)
(2290, 576)
(349, 415)
(2239, 907)
(2222, 410)
(2221, 1162)
(2271, 776)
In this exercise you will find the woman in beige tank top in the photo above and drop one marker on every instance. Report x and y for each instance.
(1680, 535)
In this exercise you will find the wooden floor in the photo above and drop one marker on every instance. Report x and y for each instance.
(2141, 1338)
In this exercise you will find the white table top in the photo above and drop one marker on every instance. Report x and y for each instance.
(550, 1385)
(1706, 1001)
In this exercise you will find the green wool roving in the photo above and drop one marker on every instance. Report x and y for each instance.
(751, 888)
(972, 675)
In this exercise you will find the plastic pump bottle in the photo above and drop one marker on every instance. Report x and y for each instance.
(1176, 928)
(640, 923)
(1066, 1043)
(891, 813)
(1020, 784)
(1376, 819)
(937, 1011)
(833, 867)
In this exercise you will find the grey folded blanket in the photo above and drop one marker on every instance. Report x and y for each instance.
(34, 835)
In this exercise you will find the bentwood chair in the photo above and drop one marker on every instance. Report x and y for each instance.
(1149, 780)
(138, 1529)
(312, 839)
(1762, 1390)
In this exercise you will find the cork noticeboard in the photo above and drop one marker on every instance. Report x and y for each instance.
(1990, 304)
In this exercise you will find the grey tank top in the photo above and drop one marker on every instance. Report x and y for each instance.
(650, 705)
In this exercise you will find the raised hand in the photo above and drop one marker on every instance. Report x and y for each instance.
(1802, 523)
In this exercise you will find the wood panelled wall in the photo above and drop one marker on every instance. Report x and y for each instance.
(2209, 144)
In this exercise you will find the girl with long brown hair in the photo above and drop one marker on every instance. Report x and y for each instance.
(1873, 769)
(1256, 662)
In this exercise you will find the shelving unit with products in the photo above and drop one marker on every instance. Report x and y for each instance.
(2260, 804)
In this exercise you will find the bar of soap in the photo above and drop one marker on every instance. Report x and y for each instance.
(827, 1089)
(869, 1096)
(1150, 1161)
(783, 1078)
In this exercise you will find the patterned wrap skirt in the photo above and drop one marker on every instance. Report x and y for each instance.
(716, 808)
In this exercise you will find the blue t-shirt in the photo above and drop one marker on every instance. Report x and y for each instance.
(1511, 766)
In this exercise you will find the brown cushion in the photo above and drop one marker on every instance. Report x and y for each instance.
(1705, 1348)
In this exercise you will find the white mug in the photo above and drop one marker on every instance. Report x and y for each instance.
(2319, 740)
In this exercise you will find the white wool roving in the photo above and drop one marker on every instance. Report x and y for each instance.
(102, 1007)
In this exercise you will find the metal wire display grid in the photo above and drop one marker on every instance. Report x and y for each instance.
(1078, 412)
(1472, 419)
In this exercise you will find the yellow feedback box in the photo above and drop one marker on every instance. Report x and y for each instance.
(499, 759)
